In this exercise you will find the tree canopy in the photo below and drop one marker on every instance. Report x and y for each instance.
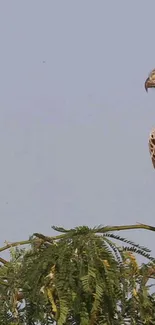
(81, 276)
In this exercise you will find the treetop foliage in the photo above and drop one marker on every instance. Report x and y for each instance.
(82, 276)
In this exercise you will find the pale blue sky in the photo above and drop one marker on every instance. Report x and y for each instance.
(74, 130)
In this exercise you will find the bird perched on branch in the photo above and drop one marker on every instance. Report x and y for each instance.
(152, 146)
(150, 81)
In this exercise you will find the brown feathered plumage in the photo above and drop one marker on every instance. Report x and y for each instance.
(150, 81)
(152, 146)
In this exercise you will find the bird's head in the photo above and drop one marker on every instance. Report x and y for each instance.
(150, 81)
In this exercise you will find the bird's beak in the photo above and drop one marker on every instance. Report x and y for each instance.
(146, 84)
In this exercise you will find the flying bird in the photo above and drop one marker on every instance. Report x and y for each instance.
(152, 146)
(150, 81)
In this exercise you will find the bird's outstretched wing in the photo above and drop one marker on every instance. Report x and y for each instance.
(152, 146)
(150, 81)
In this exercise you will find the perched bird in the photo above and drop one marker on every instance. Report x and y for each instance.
(152, 146)
(150, 81)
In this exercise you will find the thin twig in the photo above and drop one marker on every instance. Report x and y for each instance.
(18, 243)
